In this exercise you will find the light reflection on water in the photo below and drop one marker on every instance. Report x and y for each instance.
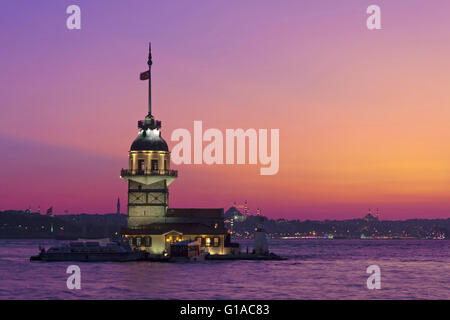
(316, 269)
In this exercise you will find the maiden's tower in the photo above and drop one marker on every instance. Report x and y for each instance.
(152, 225)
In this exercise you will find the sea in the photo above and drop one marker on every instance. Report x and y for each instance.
(315, 269)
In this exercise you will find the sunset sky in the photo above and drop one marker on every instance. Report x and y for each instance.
(363, 115)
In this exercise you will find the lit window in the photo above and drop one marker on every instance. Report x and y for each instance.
(154, 164)
(208, 242)
(141, 164)
(216, 241)
(138, 242)
(148, 241)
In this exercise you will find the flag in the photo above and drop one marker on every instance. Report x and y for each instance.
(145, 75)
(50, 211)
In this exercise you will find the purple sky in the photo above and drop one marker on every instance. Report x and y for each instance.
(363, 115)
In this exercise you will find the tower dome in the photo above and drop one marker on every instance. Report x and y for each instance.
(149, 140)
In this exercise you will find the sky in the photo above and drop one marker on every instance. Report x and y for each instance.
(363, 114)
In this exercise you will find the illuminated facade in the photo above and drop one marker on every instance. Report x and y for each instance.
(151, 224)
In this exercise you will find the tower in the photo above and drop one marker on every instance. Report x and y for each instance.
(118, 206)
(148, 174)
(260, 245)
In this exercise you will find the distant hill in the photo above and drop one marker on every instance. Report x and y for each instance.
(366, 227)
(20, 224)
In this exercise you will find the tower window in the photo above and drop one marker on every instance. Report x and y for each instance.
(141, 164)
(154, 164)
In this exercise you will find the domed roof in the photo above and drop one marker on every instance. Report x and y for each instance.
(149, 140)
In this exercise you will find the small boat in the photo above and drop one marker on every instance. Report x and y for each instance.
(91, 252)
(186, 251)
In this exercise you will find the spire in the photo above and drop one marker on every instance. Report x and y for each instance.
(149, 122)
(149, 62)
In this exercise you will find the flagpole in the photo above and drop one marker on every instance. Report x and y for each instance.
(149, 62)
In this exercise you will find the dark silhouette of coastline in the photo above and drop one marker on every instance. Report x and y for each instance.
(16, 224)
(28, 225)
(368, 227)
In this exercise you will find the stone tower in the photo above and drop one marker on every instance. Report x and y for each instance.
(148, 174)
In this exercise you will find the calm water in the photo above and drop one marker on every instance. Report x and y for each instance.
(316, 269)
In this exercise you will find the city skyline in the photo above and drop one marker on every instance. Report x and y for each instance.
(362, 114)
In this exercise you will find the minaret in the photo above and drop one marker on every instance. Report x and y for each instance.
(149, 173)
(118, 206)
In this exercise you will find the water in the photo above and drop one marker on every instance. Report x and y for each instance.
(316, 269)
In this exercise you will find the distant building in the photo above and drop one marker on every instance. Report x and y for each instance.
(233, 214)
(370, 218)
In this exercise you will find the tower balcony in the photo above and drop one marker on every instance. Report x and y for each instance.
(148, 176)
(148, 172)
